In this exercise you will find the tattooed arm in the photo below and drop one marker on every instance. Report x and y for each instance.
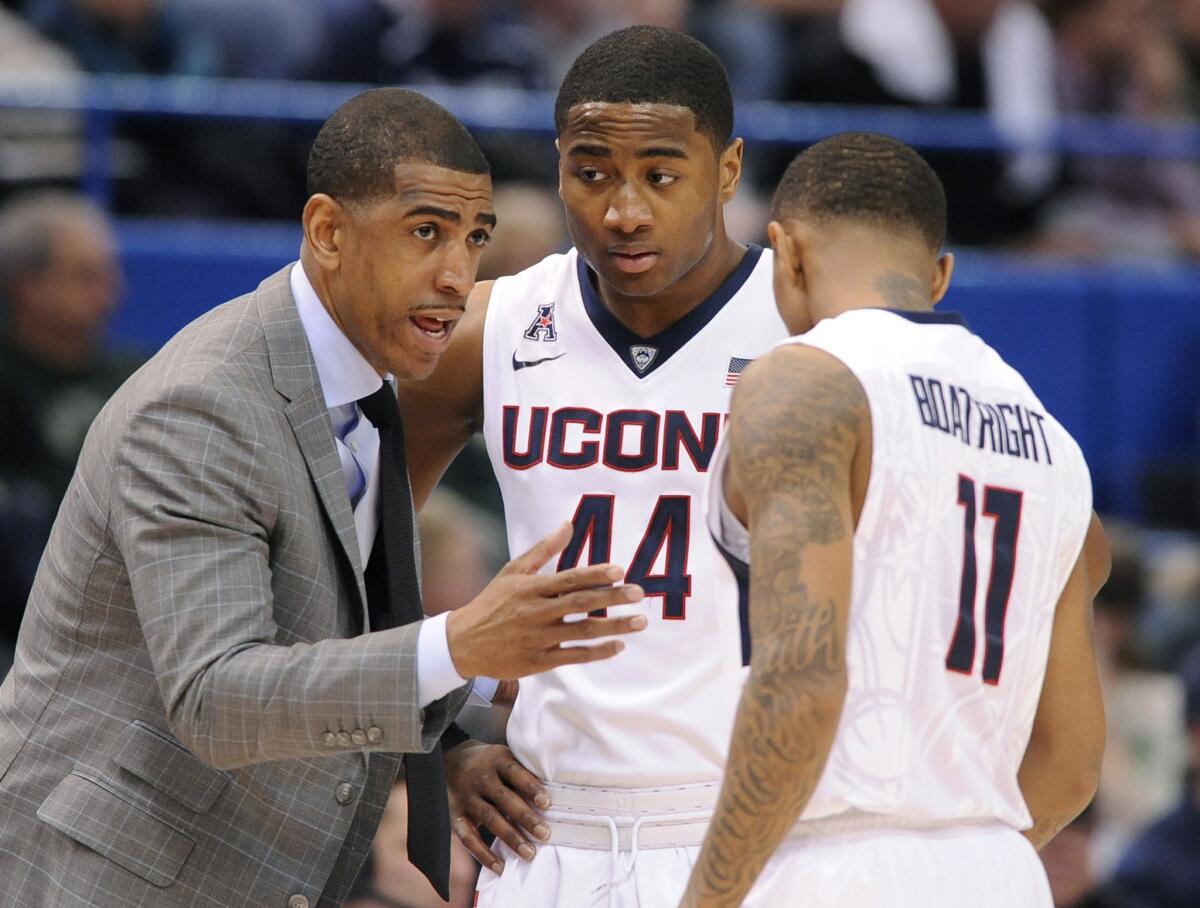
(1061, 768)
(798, 418)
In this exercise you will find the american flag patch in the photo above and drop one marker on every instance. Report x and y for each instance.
(737, 366)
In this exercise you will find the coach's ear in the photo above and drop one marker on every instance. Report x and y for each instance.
(943, 268)
(323, 222)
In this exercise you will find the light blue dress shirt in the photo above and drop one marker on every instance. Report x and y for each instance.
(346, 377)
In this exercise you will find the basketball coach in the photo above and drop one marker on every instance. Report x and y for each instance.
(224, 649)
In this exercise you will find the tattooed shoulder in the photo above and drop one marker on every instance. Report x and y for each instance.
(796, 420)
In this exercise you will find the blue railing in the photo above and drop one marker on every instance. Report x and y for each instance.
(101, 100)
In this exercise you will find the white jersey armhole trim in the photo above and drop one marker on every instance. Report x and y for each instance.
(488, 351)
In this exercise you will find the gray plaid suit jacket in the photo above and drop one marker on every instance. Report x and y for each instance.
(185, 723)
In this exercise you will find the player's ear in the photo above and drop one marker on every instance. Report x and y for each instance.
(729, 168)
(789, 262)
(789, 281)
(324, 222)
(558, 148)
(943, 268)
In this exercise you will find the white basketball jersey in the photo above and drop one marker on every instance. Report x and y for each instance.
(975, 514)
(586, 421)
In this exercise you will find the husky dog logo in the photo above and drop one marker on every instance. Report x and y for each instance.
(542, 327)
(643, 356)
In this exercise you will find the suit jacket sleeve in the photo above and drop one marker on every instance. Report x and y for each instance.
(195, 499)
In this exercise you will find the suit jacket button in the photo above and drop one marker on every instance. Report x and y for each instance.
(343, 738)
(359, 737)
(374, 734)
(330, 739)
(297, 901)
(344, 793)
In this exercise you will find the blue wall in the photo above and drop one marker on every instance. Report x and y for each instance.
(1111, 350)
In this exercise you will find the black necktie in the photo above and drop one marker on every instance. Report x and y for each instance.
(394, 599)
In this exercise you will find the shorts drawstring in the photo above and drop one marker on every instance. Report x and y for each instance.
(616, 876)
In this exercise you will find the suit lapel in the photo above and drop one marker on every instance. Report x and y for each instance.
(294, 374)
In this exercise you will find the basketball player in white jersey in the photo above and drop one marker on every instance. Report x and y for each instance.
(600, 380)
(923, 685)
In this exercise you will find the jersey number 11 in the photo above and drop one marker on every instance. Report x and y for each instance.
(1004, 506)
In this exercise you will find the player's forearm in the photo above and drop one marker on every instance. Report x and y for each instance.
(781, 740)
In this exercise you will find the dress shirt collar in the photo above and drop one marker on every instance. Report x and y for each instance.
(345, 374)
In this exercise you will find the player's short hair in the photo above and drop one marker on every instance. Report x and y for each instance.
(645, 64)
(355, 154)
(867, 177)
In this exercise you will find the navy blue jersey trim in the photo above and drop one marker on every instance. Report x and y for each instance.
(932, 318)
(741, 573)
(673, 338)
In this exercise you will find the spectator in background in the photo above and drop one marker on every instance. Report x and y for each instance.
(1161, 869)
(389, 880)
(566, 27)
(126, 36)
(59, 284)
(35, 145)
(1187, 31)
(244, 30)
(1120, 57)
(1144, 756)
(431, 42)
(23, 50)
(530, 228)
(462, 548)
(1073, 883)
(442, 42)
(765, 42)
(984, 55)
(180, 168)
(1171, 626)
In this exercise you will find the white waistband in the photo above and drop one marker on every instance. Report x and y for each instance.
(633, 802)
(678, 817)
(666, 817)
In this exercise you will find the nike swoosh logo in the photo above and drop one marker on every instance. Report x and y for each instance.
(519, 364)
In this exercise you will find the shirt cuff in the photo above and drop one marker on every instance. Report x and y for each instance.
(483, 691)
(436, 674)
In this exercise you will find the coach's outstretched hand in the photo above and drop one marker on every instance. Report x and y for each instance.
(515, 627)
(488, 787)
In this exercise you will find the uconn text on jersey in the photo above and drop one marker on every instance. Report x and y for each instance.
(574, 438)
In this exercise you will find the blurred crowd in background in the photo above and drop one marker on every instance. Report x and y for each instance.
(1025, 63)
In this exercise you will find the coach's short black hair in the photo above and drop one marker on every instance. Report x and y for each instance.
(354, 156)
(645, 64)
(864, 176)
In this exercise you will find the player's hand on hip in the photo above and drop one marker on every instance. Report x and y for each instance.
(515, 627)
(489, 788)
